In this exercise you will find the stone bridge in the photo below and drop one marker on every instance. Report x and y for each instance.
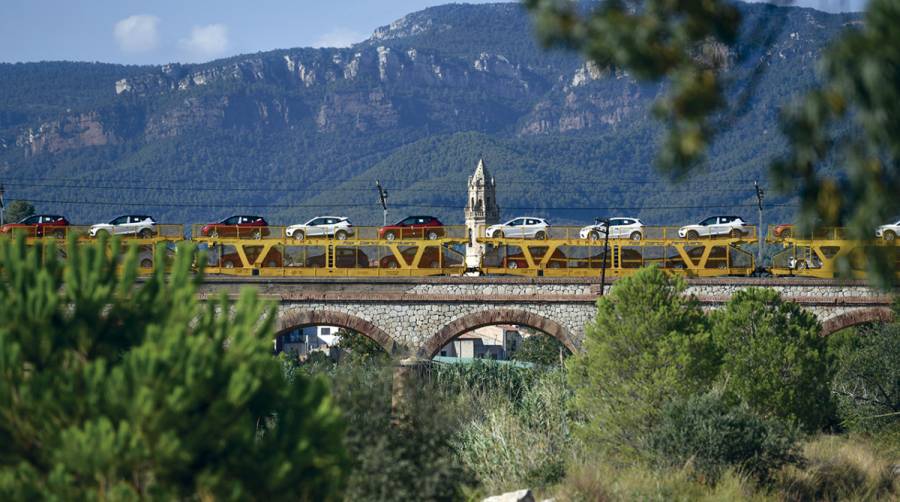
(416, 316)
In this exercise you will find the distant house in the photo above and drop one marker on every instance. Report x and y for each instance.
(303, 341)
(490, 342)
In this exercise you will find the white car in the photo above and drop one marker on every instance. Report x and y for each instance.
(129, 224)
(323, 226)
(526, 227)
(713, 226)
(619, 228)
(888, 232)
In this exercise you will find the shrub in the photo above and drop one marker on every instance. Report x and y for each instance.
(648, 344)
(510, 445)
(711, 435)
(840, 468)
(115, 389)
(866, 384)
(542, 350)
(773, 357)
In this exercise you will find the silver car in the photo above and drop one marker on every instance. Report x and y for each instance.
(129, 224)
(526, 227)
(619, 228)
(338, 227)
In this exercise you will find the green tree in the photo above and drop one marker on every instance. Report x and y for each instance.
(18, 210)
(360, 349)
(773, 357)
(543, 350)
(648, 344)
(113, 389)
(866, 383)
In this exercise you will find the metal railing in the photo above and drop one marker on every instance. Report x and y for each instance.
(212, 232)
(589, 233)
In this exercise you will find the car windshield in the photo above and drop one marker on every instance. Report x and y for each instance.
(31, 220)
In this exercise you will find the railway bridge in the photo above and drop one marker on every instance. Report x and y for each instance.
(416, 316)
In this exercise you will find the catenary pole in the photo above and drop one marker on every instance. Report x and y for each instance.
(760, 234)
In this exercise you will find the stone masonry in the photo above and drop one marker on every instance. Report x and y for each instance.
(416, 316)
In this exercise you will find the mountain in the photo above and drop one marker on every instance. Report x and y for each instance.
(298, 132)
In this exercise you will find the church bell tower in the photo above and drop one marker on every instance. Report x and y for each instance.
(481, 211)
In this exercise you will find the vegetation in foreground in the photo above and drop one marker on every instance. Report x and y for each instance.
(113, 389)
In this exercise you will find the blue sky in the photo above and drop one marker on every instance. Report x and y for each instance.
(161, 31)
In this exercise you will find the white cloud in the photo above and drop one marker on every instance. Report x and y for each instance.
(139, 33)
(339, 37)
(206, 41)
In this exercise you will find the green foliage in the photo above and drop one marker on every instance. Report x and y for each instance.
(18, 210)
(360, 349)
(653, 40)
(710, 434)
(648, 344)
(115, 389)
(851, 118)
(396, 463)
(866, 384)
(543, 350)
(515, 443)
(773, 357)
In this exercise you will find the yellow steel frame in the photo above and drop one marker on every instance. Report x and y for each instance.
(622, 251)
(821, 257)
(398, 252)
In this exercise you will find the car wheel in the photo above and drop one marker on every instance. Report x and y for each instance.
(146, 233)
(736, 234)
(257, 234)
(390, 236)
(393, 264)
(499, 234)
(594, 235)
(636, 236)
(512, 265)
(432, 235)
(59, 234)
(214, 234)
(299, 235)
(228, 264)
(341, 235)
(146, 263)
(786, 233)
(889, 235)
(540, 235)
(692, 235)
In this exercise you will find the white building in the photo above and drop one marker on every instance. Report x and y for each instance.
(490, 342)
(309, 339)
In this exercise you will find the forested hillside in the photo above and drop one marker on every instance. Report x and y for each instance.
(297, 132)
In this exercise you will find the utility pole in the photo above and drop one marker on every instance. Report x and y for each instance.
(383, 195)
(2, 205)
(760, 233)
(605, 221)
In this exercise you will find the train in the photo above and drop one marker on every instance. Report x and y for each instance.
(421, 245)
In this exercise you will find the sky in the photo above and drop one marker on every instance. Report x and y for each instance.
(163, 31)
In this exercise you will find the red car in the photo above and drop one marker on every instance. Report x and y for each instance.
(413, 227)
(39, 225)
(344, 257)
(241, 226)
(517, 260)
(431, 258)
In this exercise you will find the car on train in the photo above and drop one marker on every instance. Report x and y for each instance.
(413, 227)
(716, 226)
(888, 232)
(338, 227)
(619, 228)
(39, 225)
(240, 226)
(525, 227)
(129, 224)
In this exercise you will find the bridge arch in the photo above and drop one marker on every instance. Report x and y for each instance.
(855, 317)
(301, 318)
(483, 318)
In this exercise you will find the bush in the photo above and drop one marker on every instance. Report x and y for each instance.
(123, 390)
(840, 468)
(511, 445)
(866, 384)
(773, 357)
(711, 435)
(542, 350)
(648, 344)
